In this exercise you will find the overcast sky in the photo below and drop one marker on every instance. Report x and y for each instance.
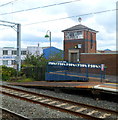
(35, 23)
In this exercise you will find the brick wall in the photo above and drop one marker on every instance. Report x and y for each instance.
(70, 44)
(90, 36)
(109, 60)
(88, 43)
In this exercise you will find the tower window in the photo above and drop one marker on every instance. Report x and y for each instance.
(74, 35)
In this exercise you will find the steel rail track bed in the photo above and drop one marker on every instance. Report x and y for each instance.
(77, 109)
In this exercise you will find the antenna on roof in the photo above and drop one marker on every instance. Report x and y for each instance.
(38, 44)
(80, 19)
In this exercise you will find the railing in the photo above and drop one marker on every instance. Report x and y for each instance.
(64, 71)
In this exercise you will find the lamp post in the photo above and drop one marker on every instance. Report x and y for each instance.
(49, 36)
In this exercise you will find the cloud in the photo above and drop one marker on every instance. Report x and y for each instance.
(8, 43)
(33, 34)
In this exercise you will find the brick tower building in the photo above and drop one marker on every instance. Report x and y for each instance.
(78, 39)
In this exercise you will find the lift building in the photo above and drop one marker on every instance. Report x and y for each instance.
(78, 39)
(80, 46)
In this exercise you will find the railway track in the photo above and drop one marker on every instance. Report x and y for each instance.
(10, 115)
(77, 109)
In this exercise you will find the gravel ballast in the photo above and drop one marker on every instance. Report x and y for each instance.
(31, 110)
(37, 111)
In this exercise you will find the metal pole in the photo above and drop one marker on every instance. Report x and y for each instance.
(50, 42)
(18, 47)
(7, 23)
(101, 75)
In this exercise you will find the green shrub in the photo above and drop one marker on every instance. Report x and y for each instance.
(34, 66)
(25, 80)
(36, 73)
(8, 72)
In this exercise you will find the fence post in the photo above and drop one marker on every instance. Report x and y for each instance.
(87, 70)
(65, 70)
(102, 70)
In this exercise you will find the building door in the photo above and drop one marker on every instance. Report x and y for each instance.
(74, 57)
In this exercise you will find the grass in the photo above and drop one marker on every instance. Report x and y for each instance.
(25, 80)
(21, 79)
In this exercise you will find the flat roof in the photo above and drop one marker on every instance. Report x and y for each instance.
(100, 53)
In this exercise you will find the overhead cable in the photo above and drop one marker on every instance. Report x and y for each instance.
(92, 13)
(51, 5)
(99, 12)
(8, 3)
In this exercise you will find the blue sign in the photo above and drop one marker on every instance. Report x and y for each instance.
(7, 57)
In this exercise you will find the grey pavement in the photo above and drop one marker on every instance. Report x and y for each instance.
(112, 78)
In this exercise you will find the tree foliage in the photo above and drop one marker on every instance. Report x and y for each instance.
(34, 66)
(34, 61)
(41, 61)
(8, 72)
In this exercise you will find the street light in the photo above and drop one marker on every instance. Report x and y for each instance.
(49, 36)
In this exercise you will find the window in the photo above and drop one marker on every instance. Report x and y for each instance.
(5, 62)
(5, 52)
(23, 52)
(71, 35)
(14, 52)
(78, 35)
(74, 35)
(13, 62)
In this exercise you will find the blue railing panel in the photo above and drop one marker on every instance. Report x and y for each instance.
(65, 71)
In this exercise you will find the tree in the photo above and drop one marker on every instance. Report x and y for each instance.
(34, 60)
(34, 66)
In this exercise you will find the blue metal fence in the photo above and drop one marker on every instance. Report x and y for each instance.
(65, 71)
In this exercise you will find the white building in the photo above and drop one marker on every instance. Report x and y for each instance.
(34, 50)
(8, 54)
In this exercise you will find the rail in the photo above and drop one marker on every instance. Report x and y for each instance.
(8, 114)
(75, 108)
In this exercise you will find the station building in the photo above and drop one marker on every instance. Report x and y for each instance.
(8, 56)
(78, 39)
(80, 46)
